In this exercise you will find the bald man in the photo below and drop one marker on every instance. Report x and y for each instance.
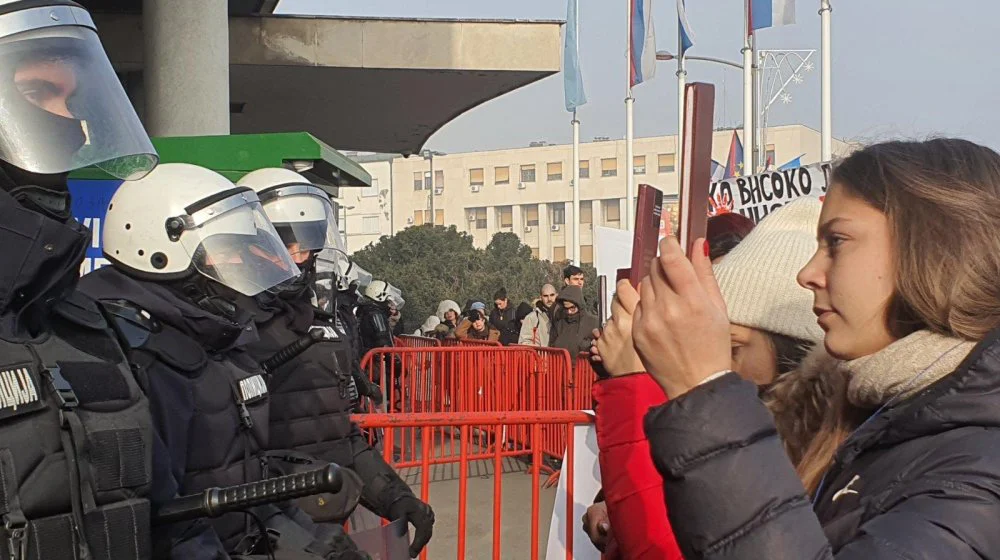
(536, 326)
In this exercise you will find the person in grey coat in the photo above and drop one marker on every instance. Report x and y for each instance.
(535, 327)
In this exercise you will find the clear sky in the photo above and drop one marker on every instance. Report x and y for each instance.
(901, 68)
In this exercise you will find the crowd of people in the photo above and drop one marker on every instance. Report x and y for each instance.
(553, 319)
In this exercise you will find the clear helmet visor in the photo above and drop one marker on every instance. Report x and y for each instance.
(335, 264)
(238, 247)
(305, 221)
(395, 296)
(62, 107)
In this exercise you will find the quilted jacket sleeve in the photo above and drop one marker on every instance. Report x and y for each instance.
(633, 489)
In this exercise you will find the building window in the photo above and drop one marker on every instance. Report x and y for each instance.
(418, 181)
(418, 217)
(438, 178)
(558, 254)
(584, 169)
(587, 254)
(476, 177)
(554, 171)
(558, 213)
(770, 156)
(534, 252)
(612, 212)
(665, 163)
(477, 217)
(531, 215)
(501, 175)
(505, 216)
(639, 165)
(371, 190)
(439, 217)
(586, 212)
(609, 167)
(527, 173)
(369, 224)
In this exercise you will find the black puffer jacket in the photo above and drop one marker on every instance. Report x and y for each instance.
(920, 480)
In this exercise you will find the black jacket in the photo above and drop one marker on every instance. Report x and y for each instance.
(572, 332)
(505, 322)
(919, 480)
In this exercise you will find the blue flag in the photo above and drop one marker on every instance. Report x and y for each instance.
(684, 28)
(797, 162)
(572, 78)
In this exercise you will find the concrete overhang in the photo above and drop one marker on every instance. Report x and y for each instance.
(381, 85)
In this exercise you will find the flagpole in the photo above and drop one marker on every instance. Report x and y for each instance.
(576, 189)
(826, 98)
(749, 136)
(681, 83)
(629, 177)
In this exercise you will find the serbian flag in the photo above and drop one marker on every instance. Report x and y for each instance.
(641, 41)
(770, 13)
(734, 165)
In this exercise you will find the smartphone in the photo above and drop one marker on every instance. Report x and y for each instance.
(696, 164)
(645, 238)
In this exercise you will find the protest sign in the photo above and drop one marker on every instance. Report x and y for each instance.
(756, 196)
(586, 484)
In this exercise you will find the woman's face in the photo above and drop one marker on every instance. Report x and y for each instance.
(450, 315)
(851, 276)
(754, 357)
(479, 324)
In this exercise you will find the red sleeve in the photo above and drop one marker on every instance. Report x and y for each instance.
(633, 488)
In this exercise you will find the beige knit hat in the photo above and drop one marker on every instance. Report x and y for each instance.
(758, 277)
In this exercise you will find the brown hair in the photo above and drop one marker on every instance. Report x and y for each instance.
(940, 198)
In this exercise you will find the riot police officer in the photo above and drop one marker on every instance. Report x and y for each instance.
(75, 437)
(309, 357)
(177, 239)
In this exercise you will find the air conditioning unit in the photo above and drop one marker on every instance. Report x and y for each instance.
(475, 188)
(409, 221)
(438, 190)
(527, 229)
(555, 228)
(472, 217)
(522, 186)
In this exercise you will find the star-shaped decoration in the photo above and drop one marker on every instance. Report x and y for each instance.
(796, 79)
(786, 98)
(808, 66)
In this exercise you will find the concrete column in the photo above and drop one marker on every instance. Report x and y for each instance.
(186, 63)
(517, 220)
(492, 224)
(544, 233)
(625, 211)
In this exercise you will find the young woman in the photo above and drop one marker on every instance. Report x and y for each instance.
(905, 288)
(771, 328)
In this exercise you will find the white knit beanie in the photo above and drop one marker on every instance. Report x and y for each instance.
(757, 277)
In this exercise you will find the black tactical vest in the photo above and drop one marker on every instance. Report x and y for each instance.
(313, 394)
(75, 444)
(227, 423)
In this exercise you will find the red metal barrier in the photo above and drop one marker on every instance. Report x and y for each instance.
(479, 343)
(413, 341)
(533, 423)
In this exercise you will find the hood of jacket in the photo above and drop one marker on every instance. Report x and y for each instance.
(445, 306)
(572, 294)
(215, 329)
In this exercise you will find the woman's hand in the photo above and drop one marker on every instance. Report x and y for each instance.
(680, 328)
(613, 346)
(597, 525)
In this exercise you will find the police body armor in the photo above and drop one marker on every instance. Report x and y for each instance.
(75, 444)
(226, 416)
(313, 395)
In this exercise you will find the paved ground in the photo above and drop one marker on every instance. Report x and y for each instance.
(515, 513)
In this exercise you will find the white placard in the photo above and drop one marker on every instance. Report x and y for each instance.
(586, 484)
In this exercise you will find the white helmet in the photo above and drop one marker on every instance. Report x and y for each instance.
(182, 218)
(300, 211)
(382, 292)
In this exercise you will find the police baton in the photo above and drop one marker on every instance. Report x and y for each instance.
(214, 502)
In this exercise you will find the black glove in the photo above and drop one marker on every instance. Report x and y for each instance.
(414, 512)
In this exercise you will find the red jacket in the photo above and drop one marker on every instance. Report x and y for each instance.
(633, 489)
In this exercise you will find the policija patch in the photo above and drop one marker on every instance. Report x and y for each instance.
(19, 391)
(253, 389)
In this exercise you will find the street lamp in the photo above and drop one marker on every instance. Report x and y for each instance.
(667, 55)
(429, 155)
(343, 227)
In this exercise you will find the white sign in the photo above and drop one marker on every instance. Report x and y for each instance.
(612, 250)
(586, 484)
(755, 196)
